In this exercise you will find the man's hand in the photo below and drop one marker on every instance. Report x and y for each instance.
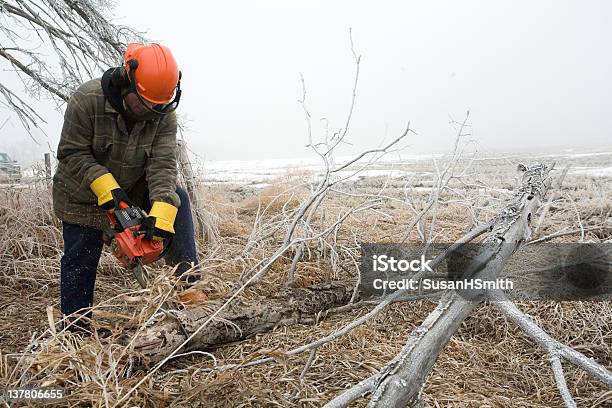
(119, 196)
(159, 224)
(109, 193)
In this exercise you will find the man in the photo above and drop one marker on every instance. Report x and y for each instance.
(118, 143)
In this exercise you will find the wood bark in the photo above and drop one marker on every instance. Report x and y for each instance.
(400, 384)
(239, 320)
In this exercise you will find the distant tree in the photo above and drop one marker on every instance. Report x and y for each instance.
(78, 35)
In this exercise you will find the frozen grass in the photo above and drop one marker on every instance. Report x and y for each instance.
(488, 361)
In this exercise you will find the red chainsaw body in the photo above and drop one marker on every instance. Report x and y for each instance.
(127, 245)
(128, 248)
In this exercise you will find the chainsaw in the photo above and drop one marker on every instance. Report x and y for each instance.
(132, 249)
(128, 244)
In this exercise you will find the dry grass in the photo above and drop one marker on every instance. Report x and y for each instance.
(488, 362)
(285, 192)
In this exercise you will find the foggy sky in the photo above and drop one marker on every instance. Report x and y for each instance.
(532, 74)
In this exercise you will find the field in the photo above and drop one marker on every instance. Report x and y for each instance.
(488, 362)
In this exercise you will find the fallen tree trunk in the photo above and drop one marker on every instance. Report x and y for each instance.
(239, 320)
(400, 383)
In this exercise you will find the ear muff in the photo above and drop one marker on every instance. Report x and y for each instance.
(121, 79)
(133, 64)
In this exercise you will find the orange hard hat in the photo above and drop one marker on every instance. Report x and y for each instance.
(157, 73)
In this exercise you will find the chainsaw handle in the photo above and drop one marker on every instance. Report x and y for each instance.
(111, 213)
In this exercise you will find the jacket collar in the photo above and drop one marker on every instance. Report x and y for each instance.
(108, 108)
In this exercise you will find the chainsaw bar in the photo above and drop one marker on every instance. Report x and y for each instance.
(140, 274)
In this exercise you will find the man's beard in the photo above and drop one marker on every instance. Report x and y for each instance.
(139, 117)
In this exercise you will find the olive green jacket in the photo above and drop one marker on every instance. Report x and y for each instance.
(95, 141)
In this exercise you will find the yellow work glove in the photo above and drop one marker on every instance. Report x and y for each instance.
(109, 193)
(159, 224)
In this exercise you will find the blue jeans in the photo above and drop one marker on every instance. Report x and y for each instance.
(83, 247)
